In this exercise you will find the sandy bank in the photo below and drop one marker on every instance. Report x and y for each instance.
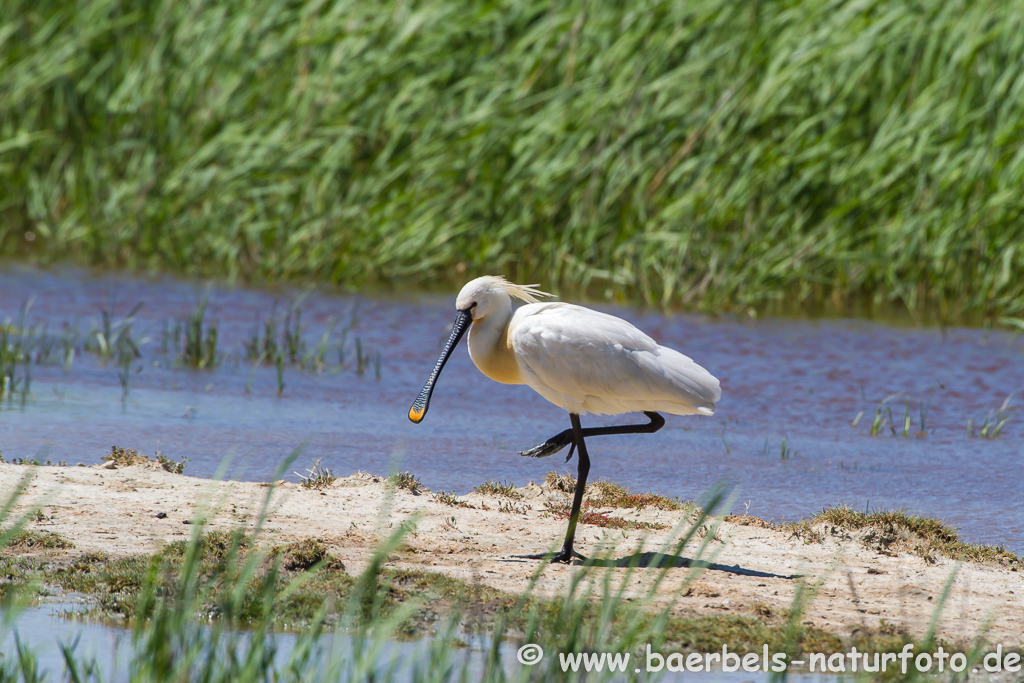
(139, 508)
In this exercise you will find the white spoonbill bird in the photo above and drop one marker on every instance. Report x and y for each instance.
(577, 358)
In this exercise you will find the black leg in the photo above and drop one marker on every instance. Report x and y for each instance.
(563, 439)
(577, 437)
(582, 470)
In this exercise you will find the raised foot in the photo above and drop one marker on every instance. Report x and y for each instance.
(551, 446)
(562, 556)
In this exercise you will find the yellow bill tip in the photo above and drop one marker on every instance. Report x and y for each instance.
(416, 414)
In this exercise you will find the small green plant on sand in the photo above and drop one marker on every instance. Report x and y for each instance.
(318, 477)
(305, 554)
(895, 530)
(407, 481)
(496, 488)
(512, 508)
(171, 466)
(603, 493)
(556, 481)
(28, 540)
(125, 457)
(451, 500)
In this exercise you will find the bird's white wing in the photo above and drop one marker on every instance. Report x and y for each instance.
(587, 361)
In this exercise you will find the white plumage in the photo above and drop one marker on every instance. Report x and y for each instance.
(586, 361)
(582, 360)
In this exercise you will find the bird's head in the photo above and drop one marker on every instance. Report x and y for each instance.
(483, 295)
(477, 299)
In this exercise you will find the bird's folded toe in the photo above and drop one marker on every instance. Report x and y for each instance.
(549, 447)
(541, 451)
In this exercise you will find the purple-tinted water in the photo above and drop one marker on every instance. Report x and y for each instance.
(798, 382)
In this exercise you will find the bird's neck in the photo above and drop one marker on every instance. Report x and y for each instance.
(491, 349)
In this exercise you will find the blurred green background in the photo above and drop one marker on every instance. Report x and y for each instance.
(846, 157)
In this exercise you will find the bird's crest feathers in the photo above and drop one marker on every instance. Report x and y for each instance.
(527, 293)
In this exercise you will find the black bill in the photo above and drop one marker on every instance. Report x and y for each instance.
(422, 402)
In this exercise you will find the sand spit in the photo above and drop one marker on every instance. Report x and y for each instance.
(137, 509)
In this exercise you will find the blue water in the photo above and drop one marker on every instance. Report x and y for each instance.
(44, 629)
(798, 382)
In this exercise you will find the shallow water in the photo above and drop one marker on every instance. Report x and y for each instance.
(46, 628)
(799, 383)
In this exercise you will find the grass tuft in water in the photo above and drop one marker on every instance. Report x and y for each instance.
(994, 422)
(884, 418)
(200, 345)
(785, 452)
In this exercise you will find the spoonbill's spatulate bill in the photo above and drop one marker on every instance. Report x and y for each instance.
(579, 359)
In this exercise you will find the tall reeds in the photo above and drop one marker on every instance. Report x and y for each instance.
(712, 154)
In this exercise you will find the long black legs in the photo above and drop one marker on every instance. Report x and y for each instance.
(563, 439)
(577, 437)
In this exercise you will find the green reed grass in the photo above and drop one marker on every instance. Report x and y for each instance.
(993, 423)
(112, 338)
(199, 349)
(281, 341)
(282, 338)
(23, 345)
(785, 451)
(883, 415)
(713, 154)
